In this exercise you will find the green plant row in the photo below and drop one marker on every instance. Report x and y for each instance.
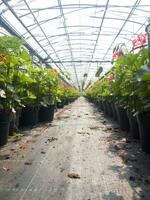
(127, 84)
(22, 83)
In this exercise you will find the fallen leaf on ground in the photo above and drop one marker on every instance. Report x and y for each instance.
(43, 152)
(7, 157)
(83, 133)
(74, 175)
(109, 128)
(12, 149)
(16, 140)
(51, 139)
(28, 163)
(62, 169)
(6, 168)
(94, 127)
(17, 136)
(63, 117)
(22, 147)
(66, 116)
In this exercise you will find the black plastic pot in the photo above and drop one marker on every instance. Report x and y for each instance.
(109, 109)
(71, 99)
(66, 102)
(4, 127)
(4, 132)
(114, 114)
(144, 129)
(122, 118)
(134, 129)
(60, 105)
(4, 115)
(14, 124)
(46, 114)
(29, 116)
(97, 104)
(105, 109)
(103, 106)
(100, 105)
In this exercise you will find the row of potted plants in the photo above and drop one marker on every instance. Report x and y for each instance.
(70, 94)
(28, 94)
(124, 94)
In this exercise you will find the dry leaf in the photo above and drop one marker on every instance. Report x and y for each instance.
(6, 168)
(74, 175)
(94, 127)
(28, 163)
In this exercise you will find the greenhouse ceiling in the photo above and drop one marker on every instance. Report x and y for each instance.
(77, 36)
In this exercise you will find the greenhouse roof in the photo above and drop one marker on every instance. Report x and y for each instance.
(75, 36)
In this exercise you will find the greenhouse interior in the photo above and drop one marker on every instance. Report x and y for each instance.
(74, 100)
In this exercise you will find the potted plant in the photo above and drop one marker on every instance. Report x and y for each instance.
(49, 95)
(30, 96)
(136, 87)
(70, 94)
(61, 95)
(125, 67)
(11, 58)
(143, 106)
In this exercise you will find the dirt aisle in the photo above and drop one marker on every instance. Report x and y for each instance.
(74, 158)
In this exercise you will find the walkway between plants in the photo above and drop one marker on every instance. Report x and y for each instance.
(82, 155)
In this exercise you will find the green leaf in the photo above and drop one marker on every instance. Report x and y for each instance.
(144, 73)
(10, 88)
(25, 55)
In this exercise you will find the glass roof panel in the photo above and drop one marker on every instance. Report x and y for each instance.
(78, 36)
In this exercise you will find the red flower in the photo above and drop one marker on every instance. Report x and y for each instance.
(116, 55)
(110, 77)
(140, 40)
